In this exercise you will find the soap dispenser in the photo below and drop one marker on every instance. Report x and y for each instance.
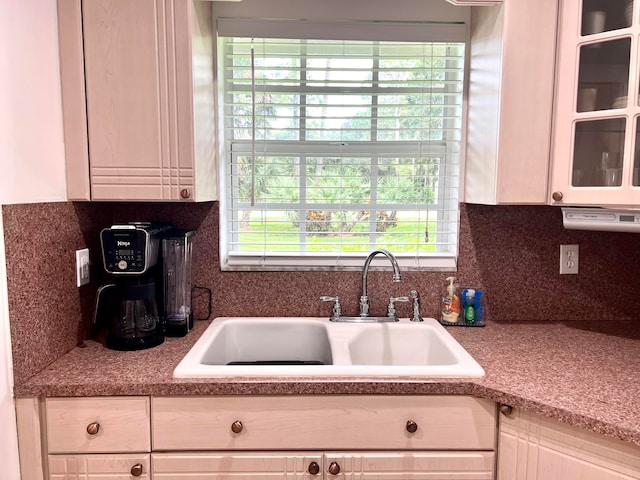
(450, 303)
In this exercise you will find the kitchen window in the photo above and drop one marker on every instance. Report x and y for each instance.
(337, 147)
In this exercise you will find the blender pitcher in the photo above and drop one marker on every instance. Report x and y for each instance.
(177, 251)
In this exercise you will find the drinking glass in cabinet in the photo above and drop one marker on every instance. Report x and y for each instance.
(610, 171)
(598, 150)
(635, 181)
(600, 16)
(603, 77)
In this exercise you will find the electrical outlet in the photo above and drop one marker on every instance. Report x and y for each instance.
(569, 256)
(82, 267)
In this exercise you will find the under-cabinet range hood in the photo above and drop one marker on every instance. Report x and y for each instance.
(601, 219)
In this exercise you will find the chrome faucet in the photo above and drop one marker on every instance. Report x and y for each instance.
(364, 300)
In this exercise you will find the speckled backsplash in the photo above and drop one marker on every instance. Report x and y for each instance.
(510, 251)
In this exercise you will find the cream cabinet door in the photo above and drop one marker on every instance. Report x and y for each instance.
(596, 152)
(510, 102)
(99, 467)
(123, 66)
(535, 448)
(227, 465)
(149, 118)
(409, 465)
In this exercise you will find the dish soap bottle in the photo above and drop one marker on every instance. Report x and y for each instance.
(469, 306)
(450, 303)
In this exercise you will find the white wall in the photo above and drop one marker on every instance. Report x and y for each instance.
(32, 167)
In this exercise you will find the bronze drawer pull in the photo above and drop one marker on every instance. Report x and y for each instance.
(506, 410)
(334, 468)
(236, 427)
(412, 427)
(314, 468)
(136, 470)
(93, 428)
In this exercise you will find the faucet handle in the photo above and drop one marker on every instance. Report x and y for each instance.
(391, 310)
(337, 308)
(416, 306)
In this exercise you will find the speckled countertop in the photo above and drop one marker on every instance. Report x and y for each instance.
(583, 374)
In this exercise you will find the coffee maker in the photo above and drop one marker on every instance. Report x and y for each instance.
(132, 304)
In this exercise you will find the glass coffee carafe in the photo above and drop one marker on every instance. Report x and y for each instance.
(131, 313)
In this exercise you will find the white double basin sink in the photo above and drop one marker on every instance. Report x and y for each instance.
(311, 346)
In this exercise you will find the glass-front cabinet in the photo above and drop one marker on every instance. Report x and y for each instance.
(596, 144)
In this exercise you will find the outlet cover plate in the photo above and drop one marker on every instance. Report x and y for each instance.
(569, 256)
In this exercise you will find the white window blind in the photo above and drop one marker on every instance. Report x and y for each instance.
(335, 148)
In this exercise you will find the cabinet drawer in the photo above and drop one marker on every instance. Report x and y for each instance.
(402, 465)
(104, 467)
(241, 465)
(389, 465)
(322, 422)
(98, 424)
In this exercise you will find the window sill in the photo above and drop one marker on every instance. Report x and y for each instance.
(343, 263)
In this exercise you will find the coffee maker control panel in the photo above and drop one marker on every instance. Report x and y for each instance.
(130, 248)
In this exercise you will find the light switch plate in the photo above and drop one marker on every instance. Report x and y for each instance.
(82, 267)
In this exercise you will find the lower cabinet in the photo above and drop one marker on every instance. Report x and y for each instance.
(104, 438)
(99, 467)
(307, 437)
(219, 465)
(329, 465)
(323, 437)
(322, 423)
(531, 447)
(98, 425)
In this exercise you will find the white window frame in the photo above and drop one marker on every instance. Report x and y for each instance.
(331, 261)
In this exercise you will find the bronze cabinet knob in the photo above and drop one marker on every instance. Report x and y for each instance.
(334, 468)
(506, 410)
(236, 427)
(412, 427)
(314, 468)
(93, 428)
(136, 470)
(557, 196)
(185, 193)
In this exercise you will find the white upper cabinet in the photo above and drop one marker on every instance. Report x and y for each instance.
(510, 102)
(595, 148)
(138, 99)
